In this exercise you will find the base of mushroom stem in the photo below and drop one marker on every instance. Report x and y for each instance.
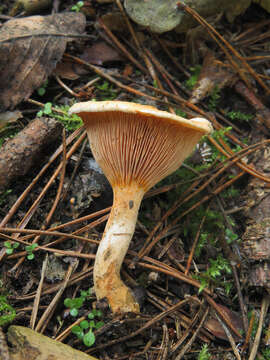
(119, 296)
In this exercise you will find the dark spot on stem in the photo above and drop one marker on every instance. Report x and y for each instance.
(107, 254)
(131, 204)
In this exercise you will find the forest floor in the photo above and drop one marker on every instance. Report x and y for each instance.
(199, 258)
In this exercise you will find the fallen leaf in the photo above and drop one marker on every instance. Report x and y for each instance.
(100, 53)
(29, 51)
(215, 328)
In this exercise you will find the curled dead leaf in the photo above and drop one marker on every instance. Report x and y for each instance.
(215, 328)
(29, 51)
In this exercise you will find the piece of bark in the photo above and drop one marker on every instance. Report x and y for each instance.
(30, 48)
(28, 344)
(18, 155)
(256, 238)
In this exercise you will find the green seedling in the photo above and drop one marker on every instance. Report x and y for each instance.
(106, 91)
(76, 303)
(29, 249)
(204, 353)
(84, 331)
(195, 72)
(77, 7)
(238, 115)
(70, 122)
(230, 236)
(47, 110)
(10, 247)
(180, 112)
(7, 312)
(218, 267)
(214, 99)
(42, 90)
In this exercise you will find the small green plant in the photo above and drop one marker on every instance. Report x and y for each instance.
(238, 115)
(265, 354)
(204, 353)
(217, 267)
(230, 236)
(42, 90)
(155, 84)
(180, 112)
(84, 331)
(10, 247)
(195, 72)
(47, 110)
(77, 7)
(7, 312)
(217, 134)
(214, 99)
(29, 249)
(106, 91)
(76, 303)
(70, 122)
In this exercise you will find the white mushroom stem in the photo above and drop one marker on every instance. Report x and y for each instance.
(113, 247)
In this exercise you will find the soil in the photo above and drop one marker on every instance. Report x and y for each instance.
(191, 263)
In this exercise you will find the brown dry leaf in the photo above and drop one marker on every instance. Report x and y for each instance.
(29, 51)
(215, 328)
(100, 53)
(67, 70)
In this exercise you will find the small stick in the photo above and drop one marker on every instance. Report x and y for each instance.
(264, 308)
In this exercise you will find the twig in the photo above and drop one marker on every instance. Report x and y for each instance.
(48, 313)
(190, 342)
(38, 293)
(230, 338)
(264, 308)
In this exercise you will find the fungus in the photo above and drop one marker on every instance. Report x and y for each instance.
(136, 146)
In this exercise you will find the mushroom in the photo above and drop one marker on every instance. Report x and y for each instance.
(136, 146)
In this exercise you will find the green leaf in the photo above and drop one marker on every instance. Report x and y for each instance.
(16, 245)
(7, 312)
(74, 312)
(92, 324)
(91, 315)
(30, 256)
(99, 324)
(8, 244)
(84, 324)
(75, 303)
(78, 302)
(89, 339)
(9, 251)
(77, 331)
(41, 91)
(47, 108)
(99, 313)
(68, 302)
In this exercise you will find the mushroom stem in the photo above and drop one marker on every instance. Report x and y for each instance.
(111, 250)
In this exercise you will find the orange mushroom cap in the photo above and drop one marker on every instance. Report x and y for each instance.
(138, 143)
